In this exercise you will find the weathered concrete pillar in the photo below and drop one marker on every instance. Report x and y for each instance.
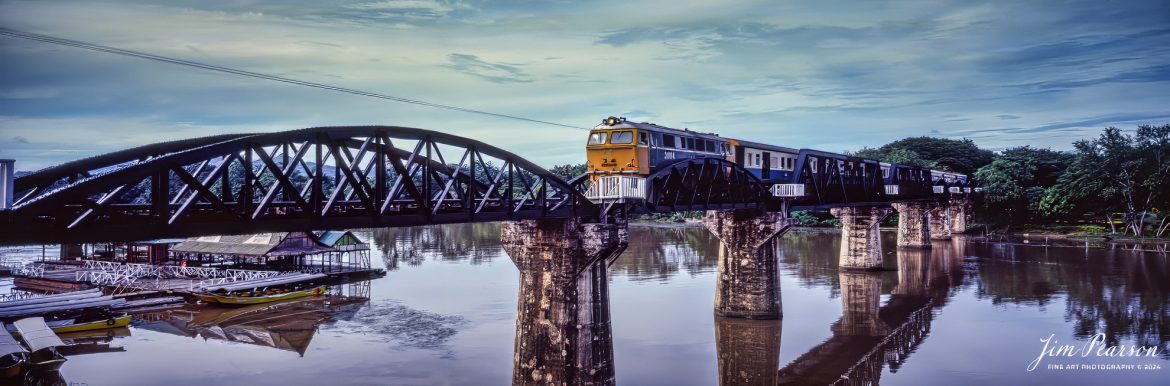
(563, 333)
(861, 298)
(913, 272)
(940, 222)
(747, 284)
(748, 350)
(959, 208)
(861, 246)
(913, 229)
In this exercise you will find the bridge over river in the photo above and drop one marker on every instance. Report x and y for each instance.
(562, 235)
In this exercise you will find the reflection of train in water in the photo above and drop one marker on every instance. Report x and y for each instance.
(621, 147)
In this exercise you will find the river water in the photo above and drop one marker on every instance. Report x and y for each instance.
(445, 313)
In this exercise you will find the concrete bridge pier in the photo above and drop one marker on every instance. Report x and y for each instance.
(940, 222)
(861, 298)
(747, 282)
(913, 224)
(748, 350)
(563, 333)
(861, 246)
(959, 209)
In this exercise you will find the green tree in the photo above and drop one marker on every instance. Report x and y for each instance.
(898, 156)
(960, 156)
(1014, 183)
(568, 171)
(1117, 172)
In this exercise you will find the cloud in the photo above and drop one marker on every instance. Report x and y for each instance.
(1007, 116)
(492, 72)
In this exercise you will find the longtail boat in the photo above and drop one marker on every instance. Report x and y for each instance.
(258, 296)
(73, 325)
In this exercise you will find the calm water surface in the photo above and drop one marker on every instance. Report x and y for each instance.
(445, 314)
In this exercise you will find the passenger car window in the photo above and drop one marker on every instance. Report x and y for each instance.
(622, 137)
(597, 138)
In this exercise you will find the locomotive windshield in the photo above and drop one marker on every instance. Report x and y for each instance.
(597, 138)
(622, 137)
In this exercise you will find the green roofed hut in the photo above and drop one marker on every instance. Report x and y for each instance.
(350, 253)
(272, 251)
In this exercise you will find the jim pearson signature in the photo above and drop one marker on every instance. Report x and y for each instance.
(1095, 347)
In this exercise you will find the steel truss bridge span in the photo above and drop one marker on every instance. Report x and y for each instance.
(314, 178)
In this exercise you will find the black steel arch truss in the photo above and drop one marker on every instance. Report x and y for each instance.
(316, 178)
(834, 180)
(705, 184)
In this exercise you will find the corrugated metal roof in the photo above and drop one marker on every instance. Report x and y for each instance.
(257, 245)
(336, 239)
(331, 238)
(764, 146)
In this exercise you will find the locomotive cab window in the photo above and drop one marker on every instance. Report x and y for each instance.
(643, 139)
(597, 138)
(622, 138)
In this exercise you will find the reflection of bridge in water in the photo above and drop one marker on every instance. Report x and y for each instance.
(867, 337)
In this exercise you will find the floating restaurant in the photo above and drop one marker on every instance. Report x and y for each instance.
(182, 264)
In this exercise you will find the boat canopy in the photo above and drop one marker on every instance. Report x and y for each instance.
(266, 282)
(8, 344)
(89, 293)
(59, 302)
(37, 334)
(66, 306)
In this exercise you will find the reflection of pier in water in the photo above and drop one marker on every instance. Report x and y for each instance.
(868, 336)
(287, 325)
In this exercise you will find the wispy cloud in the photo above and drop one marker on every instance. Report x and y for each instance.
(492, 72)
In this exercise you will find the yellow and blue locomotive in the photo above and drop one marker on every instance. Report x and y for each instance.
(620, 147)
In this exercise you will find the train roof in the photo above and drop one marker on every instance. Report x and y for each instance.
(622, 123)
(933, 173)
(764, 146)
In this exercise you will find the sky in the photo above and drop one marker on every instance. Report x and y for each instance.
(829, 75)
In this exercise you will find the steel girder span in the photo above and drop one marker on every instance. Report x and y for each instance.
(315, 178)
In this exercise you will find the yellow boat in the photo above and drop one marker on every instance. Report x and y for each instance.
(230, 299)
(115, 322)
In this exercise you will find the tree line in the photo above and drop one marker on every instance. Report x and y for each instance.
(1118, 181)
